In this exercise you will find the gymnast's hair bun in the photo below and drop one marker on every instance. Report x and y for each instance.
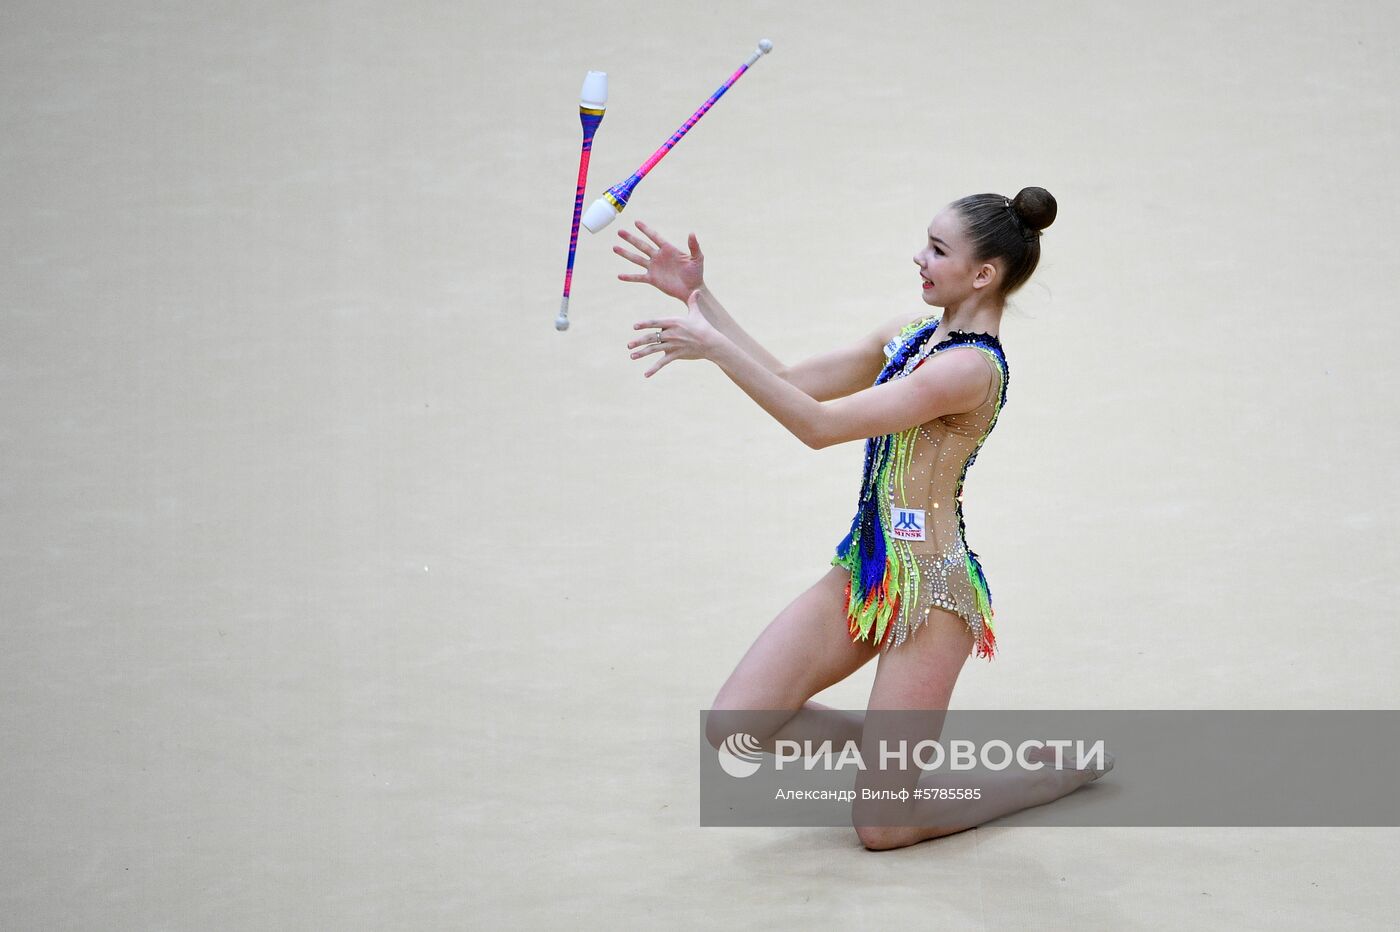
(1036, 207)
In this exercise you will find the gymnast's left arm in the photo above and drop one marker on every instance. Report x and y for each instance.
(954, 381)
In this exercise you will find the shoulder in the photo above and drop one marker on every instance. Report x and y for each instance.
(878, 341)
(894, 326)
(891, 332)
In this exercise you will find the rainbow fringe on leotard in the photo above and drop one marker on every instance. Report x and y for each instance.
(884, 577)
(987, 644)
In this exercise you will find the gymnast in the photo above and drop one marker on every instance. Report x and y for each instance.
(924, 394)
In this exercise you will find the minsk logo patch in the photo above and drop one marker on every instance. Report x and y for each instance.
(909, 523)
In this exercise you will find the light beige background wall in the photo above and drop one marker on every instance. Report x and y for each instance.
(341, 591)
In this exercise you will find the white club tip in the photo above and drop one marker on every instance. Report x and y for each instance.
(765, 45)
(561, 323)
(594, 95)
(599, 214)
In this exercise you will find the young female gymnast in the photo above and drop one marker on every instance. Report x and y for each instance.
(924, 394)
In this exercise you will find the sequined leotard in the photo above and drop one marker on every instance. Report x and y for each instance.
(907, 550)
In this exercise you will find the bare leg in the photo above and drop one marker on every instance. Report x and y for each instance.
(805, 649)
(920, 675)
(1001, 793)
(838, 727)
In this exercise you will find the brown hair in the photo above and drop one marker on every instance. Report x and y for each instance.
(1008, 229)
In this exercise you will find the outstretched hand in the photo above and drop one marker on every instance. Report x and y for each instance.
(688, 337)
(671, 271)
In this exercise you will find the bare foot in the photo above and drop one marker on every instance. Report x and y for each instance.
(1073, 773)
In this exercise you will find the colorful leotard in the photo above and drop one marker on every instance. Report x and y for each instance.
(907, 550)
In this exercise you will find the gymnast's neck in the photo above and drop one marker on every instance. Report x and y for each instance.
(977, 313)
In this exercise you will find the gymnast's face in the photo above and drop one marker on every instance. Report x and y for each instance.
(950, 273)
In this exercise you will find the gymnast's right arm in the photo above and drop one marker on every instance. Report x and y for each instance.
(847, 370)
(826, 376)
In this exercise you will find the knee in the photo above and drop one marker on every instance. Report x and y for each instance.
(739, 710)
(882, 837)
(715, 733)
(718, 725)
(734, 712)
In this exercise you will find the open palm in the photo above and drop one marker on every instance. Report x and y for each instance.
(670, 270)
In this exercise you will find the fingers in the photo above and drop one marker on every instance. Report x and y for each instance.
(631, 257)
(631, 278)
(651, 339)
(695, 252)
(652, 235)
(650, 343)
(642, 245)
(660, 365)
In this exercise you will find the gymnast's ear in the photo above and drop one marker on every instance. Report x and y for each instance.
(987, 276)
